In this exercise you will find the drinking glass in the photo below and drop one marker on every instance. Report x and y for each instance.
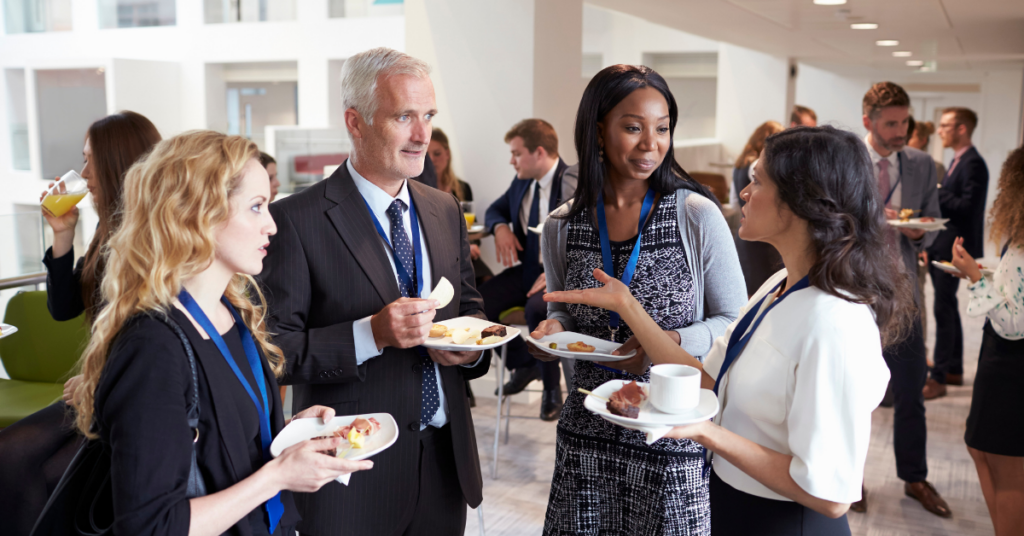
(64, 194)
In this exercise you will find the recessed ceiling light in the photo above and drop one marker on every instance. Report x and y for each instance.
(914, 63)
(902, 54)
(887, 42)
(829, 2)
(864, 26)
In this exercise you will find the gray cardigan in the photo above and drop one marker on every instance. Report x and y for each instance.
(718, 284)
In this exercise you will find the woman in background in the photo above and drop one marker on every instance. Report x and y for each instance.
(995, 437)
(37, 449)
(270, 165)
(759, 260)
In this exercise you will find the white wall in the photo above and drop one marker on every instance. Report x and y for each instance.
(751, 90)
(622, 38)
(150, 88)
(834, 97)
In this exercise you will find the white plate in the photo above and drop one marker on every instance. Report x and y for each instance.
(950, 269)
(300, 430)
(602, 349)
(472, 322)
(706, 409)
(916, 223)
(7, 329)
(476, 228)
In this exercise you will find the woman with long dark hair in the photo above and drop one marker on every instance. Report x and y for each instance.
(800, 372)
(634, 196)
(38, 448)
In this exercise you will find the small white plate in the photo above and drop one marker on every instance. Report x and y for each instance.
(300, 430)
(472, 322)
(950, 269)
(476, 228)
(7, 329)
(602, 349)
(706, 409)
(916, 223)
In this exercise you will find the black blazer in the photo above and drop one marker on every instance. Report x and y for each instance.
(64, 285)
(141, 410)
(325, 269)
(962, 199)
(505, 209)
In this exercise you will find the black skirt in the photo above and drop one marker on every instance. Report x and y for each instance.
(734, 512)
(997, 405)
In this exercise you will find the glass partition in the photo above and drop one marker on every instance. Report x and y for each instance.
(17, 117)
(302, 153)
(29, 16)
(136, 13)
(231, 11)
(67, 101)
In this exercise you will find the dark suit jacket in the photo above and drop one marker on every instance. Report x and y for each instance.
(141, 410)
(505, 209)
(64, 285)
(429, 175)
(327, 268)
(962, 199)
(918, 182)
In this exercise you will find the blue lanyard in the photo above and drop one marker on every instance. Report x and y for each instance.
(274, 507)
(403, 271)
(606, 249)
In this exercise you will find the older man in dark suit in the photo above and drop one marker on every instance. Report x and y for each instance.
(906, 179)
(962, 197)
(346, 277)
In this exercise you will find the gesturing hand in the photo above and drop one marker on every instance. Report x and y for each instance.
(403, 323)
(538, 286)
(613, 296)
(507, 245)
(964, 262)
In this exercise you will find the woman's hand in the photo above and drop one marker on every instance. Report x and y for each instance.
(65, 223)
(71, 395)
(964, 262)
(545, 328)
(474, 251)
(323, 412)
(637, 364)
(696, 432)
(613, 296)
(305, 468)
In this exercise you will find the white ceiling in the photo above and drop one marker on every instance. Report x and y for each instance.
(959, 35)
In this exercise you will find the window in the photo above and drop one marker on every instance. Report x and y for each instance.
(30, 16)
(229, 11)
(67, 102)
(136, 13)
(17, 117)
(364, 8)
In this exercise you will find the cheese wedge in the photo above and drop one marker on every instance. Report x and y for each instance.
(443, 293)
(466, 336)
(355, 438)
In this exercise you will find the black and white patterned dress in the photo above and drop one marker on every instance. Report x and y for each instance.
(607, 480)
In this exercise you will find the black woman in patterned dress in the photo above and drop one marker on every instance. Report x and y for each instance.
(633, 196)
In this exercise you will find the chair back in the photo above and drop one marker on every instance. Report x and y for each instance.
(715, 182)
(43, 350)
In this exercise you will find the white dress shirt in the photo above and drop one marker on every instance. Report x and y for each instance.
(362, 332)
(894, 174)
(805, 386)
(545, 196)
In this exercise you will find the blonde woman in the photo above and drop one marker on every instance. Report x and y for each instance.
(195, 227)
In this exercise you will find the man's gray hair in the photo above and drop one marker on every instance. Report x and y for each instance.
(360, 73)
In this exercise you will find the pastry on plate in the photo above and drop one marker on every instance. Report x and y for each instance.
(580, 346)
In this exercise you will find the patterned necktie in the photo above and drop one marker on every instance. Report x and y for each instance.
(405, 255)
(531, 258)
(884, 188)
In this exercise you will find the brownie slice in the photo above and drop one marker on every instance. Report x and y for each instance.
(495, 331)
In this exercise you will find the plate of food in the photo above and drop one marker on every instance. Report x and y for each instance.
(627, 404)
(476, 228)
(7, 329)
(986, 267)
(926, 223)
(365, 435)
(579, 346)
(469, 333)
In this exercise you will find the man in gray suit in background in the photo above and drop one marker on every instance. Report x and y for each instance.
(906, 180)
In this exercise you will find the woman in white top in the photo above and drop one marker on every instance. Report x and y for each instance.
(995, 436)
(800, 372)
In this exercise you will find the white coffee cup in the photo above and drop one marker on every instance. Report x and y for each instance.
(675, 388)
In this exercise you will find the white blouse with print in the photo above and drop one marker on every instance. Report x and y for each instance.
(805, 386)
(1002, 297)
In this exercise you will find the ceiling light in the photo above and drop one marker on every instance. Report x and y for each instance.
(887, 42)
(914, 63)
(864, 26)
(902, 54)
(829, 2)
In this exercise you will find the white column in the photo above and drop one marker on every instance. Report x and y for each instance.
(558, 82)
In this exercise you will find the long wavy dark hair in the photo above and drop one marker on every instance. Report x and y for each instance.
(605, 91)
(824, 176)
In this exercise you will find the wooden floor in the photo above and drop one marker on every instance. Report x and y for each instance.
(515, 503)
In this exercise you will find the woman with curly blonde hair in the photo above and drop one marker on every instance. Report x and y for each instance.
(994, 436)
(194, 230)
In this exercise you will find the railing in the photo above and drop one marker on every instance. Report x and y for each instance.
(25, 280)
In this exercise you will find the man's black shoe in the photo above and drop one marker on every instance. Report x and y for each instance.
(521, 377)
(551, 404)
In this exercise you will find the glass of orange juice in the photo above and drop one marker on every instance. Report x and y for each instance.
(467, 212)
(64, 194)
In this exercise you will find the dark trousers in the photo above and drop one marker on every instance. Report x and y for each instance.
(440, 508)
(949, 334)
(507, 290)
(909, 370)
(734, 512)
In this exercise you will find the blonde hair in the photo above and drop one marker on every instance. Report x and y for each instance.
(361, 73)
(447, 179)
(752, 150)
(173, 201)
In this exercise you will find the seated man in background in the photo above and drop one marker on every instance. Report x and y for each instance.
(540, 186)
